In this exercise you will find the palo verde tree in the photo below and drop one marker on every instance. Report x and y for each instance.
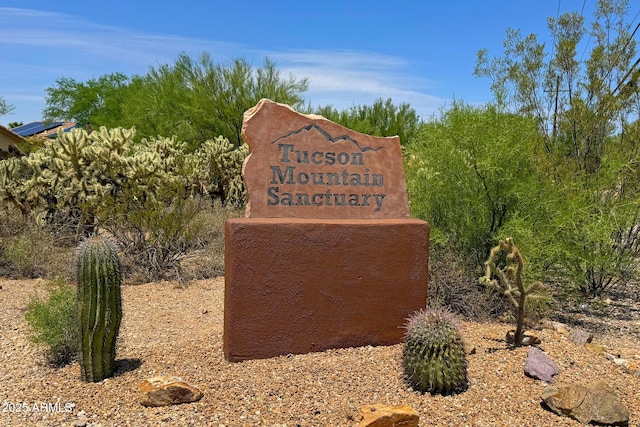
(582, 93)
(575, 100)
(97, 102)
(195, 100)
(382, 118)
(469, 172)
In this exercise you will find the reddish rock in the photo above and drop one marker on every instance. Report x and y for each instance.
(305, 166)
(164, 391)
(388, 416)
(539, 366)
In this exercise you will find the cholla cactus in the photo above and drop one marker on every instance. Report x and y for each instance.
(77, 172)
(13, 172)
(509, 281)
(79, 176)
(99, 306)
(434, 357)
(219, 170)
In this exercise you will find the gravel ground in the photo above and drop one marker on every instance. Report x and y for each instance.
(169, 330)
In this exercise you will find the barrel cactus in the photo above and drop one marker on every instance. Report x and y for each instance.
(99, 306)
(433, 356)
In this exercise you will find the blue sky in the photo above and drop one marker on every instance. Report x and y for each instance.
(353, 52)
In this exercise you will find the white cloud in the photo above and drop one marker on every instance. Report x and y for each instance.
(77, 38)
(84, 49)
(347, 78)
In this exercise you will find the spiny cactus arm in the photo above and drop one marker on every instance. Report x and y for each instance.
(503, 284)
(509, 293)
(515, 263)
(70, 147)
(533, 287)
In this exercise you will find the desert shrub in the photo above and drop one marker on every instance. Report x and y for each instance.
(155, 236)
(53, 322)
(581, 238)
(23, 257)
(206, 260)
(478, 175)
(468, 172)
(29, 250)
(453, 285)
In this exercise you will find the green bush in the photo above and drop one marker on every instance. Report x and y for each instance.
(582, 235)
(468, 172)
(53, 322)
(478, 175)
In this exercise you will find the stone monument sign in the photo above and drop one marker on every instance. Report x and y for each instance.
(304, 166)
(327, 255)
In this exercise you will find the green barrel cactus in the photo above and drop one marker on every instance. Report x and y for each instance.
(433, 356)
(99, 306)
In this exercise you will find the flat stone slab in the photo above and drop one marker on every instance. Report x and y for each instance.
(305, 166)
(300, 285)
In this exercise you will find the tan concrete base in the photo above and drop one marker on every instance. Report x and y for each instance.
(298, 285)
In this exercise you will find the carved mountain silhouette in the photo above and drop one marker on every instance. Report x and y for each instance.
(327, 136)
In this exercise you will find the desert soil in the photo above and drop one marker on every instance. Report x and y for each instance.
(177, 331)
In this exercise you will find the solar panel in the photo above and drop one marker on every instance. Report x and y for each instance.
(53, 125)
(25, 130)
(35, 127)
(21, 127)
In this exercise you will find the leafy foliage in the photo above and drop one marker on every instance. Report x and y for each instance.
(583, 231)
(195, 100)
(468, 172)
(53, 322)
(96, 102)
(383, 118)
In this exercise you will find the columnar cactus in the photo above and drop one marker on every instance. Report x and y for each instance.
(433, 356)
(99, 306)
